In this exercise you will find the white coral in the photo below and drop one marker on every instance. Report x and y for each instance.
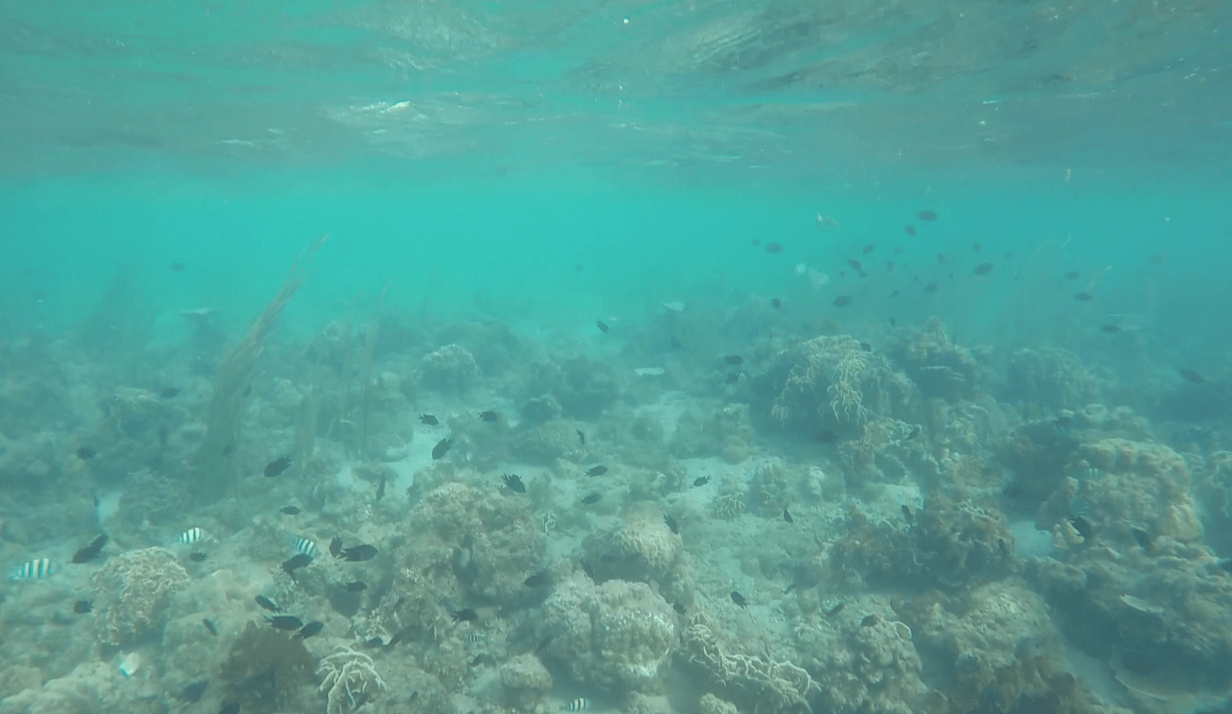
(348, 675)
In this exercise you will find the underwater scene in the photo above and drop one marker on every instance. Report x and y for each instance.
(678, 357)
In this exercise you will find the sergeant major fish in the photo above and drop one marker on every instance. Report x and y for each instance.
(36, 569)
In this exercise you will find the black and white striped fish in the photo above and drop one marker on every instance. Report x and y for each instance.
(36, 569)
(580, 704)
(192, 535)
(304, 546)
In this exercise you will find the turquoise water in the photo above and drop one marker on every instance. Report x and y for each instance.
(619, 354)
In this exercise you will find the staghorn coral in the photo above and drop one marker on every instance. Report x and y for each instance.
(618, 635)
(450, 369)
(349, 679)
(132, 593)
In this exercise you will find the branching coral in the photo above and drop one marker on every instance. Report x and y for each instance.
(349, 679)
(132, 592)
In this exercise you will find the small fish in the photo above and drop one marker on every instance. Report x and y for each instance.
(581, 436)
(733, 359)
(870, 621)
(776, 303)
(277, 466)
(930, 288)
(169, 392)
(36, 569)
(192, 535)
(909, 230)
(374, 642)
(893, 293)
(85, 453)
(289, 510)
(671, 523)
(82, 607)
(380, 490)
(774, 247)
(1191, 376)
(192, 693)
(842, 301)
(580, 704)
(396, 638)
(1084, 297)
(295, 562)
(309, 630)
(926, 215)
(602, 327)
(836, 609)
(285, 622)
(359, 553)
(1072, 275)
(976, 247)
(739, 599)
(442, 447)
(1083, 526)
(230, 708)
(537, 580)
(335, 547)
(983, 269)
(304, 546)
(893, 322)
(1143, 538)
(514, 483)
(475, 638)
(489, 416)
(701, 481)
(197, 556)
(855, 265)
(787, 516)
(596, 470)
(869, 248)
(907, 513)
(357, 586)
(1110, 329)
(825, 436)
(90, 552)
(679, 608)
(429, 419)
(732, 378)
(209, 626)
(267, 604)
(866, 347)
(465, 615)
(591, 499)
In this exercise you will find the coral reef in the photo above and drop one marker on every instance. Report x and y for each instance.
(349, 679)
(132, 591)
(525, 681)
(642, 548)
(546, 442)
(617, 636)
(726, 431)
(450, 369)
(1050, 378)
(266, 669)
(938, 367)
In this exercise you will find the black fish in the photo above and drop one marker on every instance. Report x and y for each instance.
(197, 556)
(910, 230)
(309, 630)
(537, 579)
(357, 586)
(335, 547)
(513, 482)
(926, 215)
(1110, 329)
(930, 288)
(230, 708)
(870, 621)
(289, 510)
(701, 481)
(679, 608)
(581, 436)
(81, 607)
(285, 622)
(976, 247)
(192, 693)
(855, 265)
(380, 490)
(429, 419)
(842, 301)
(489, 415)
(836, 609)
(733, 359)
(908, 514)
(209, 627)
(1072, 275)
(591, 499)
(277, 466)
(396, 638)
(776, 303)
(442, 447)
(671, 524)
(1084, 297)
(869, 249)
(602, 327)
(1083, 526)
(90, 552)
(359, 553)
(866, 347)
(596, 470)
(893, 322)
(169, 392)
(893, 294)
(464, 615)
(267, 604)
(825, 436)
(787, 516)
(732, 378)
(983, 268)
(1143, 538)
(1191, 376)
(298, 561)
(739, 599)
(85, 453)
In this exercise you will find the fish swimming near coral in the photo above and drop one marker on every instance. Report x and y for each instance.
(335, 547)
(513, 482)
(739, 599)
(602, 327)
(285, 622)
(294, 563)
(380, 490)
(304, 546)
(85, 453)
(1142, 537)
(192, 693)
(1191, 376)
(580, 704)
(465, 615)
(429, 419)
(81, 607)
(591, 499)
(312, 628)
(36, 569)
(289, 511)
(442, 447)
(278, 466)
(701, 481)
(192, 535)
(842, 301)
(91, 551)
(356, 586)
(359, 553)
(197, 556)
(209, 626)
(787, 515)
(267, 603)
(596, 470)
(489, 416)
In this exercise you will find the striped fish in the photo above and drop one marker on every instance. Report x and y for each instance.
(580, 704)
(304, 546)
(192, 535)
(475, 638)
(36, 569)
